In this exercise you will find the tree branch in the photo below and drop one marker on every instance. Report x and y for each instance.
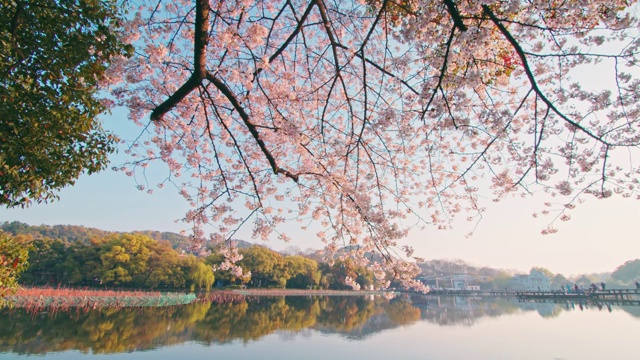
(201, 38)
(455, 15)
(531, 77)
(252, 128)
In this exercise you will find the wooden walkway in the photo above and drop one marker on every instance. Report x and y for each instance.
(552, 294)
(496, 293)
(620, 296)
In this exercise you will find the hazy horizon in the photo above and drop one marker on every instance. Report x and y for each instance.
(489, 246)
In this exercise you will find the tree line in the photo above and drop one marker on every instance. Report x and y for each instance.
(120, 260)
(80, 256)
(135, 260)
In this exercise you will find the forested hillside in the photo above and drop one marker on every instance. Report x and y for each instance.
(79, 256)
(67, 233)
(83, 235)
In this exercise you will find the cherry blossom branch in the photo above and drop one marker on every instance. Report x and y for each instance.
(455, 15)
(443, 70)
(295, 32)
(250, 126)
(516, 46)
(387, 72)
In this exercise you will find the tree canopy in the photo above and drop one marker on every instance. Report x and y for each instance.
(13, 261)
(376, 116)
(53, 57)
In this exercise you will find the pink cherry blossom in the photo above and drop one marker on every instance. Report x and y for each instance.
(371, 117)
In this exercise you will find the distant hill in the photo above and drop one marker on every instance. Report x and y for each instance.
(68, 233)
(321, 254)
(177, 241)
(240, 244)
(81, 234)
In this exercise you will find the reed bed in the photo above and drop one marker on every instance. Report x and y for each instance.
(61, 299)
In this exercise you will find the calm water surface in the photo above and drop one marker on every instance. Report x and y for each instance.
(330, 328)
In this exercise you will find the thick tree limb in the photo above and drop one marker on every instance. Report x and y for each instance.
(455, 15)
(201, 38)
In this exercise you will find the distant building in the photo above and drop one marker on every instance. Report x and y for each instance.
(455, 282)
(460, 282)
(536, 280)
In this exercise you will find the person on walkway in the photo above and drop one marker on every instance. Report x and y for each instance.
(602, 285)
(576, 288)
(637, 285)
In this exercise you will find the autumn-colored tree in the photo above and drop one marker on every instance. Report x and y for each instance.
(164, 268)
(124, 257)
(13, 261)
(302, 273)
(376, 116)
(266, 266)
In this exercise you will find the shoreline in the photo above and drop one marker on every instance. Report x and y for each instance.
(303, 292)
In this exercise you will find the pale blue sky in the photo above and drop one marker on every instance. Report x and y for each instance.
(602, 234)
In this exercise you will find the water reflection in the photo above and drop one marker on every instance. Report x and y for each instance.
(126, 330)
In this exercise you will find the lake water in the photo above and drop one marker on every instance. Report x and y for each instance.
(351, 327)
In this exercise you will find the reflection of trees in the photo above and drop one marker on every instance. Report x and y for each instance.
(345, 313)
(450, 311)
(631, 310)
(253, 320)
(105, 331)
(401, 312)
(110, 331)
(545, 309)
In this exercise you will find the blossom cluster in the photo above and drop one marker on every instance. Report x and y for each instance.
(367, 118)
